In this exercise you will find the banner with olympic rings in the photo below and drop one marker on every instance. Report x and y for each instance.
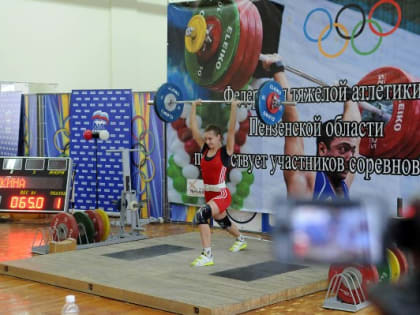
(56, 117)
(30, 131)
(318, 43)
(147, 168)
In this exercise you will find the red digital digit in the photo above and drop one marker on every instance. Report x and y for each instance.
(31, 202)
(40, 202)
(22, 203)
(57, 203)
(14, 202)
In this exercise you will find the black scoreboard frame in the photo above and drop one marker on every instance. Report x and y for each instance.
(35, 184)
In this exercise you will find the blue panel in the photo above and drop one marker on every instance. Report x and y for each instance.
(178, 212)
(10, 104)
(98, 180)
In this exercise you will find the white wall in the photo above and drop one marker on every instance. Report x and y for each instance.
(84, 43)
(139, 37)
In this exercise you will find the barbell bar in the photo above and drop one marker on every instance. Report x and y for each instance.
(152, 102)
(269, 102)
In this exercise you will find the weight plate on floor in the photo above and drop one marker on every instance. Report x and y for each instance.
(394, 265)
(384, 271)
(106, 223)
(208, 73)
(365, 275)
(402, 260)
(64, 226)
(97, 223)
(84, 220)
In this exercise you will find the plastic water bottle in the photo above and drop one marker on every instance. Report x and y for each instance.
(70, 308)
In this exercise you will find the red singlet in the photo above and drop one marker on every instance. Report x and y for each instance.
(213, 170)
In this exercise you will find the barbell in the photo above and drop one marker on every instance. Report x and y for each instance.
(269, 102)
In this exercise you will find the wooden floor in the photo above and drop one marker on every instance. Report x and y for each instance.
(26, 297)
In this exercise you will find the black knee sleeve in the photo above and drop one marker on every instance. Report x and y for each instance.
(202, 215)
(224, 223)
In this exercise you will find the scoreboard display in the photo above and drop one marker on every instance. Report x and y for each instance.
(34, 184)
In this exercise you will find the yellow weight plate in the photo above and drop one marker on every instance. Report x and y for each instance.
(107, 224)
(195, 33)
(394, 265)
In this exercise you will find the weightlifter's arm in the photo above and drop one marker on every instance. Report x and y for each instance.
(194, 125)
(298, 183)
(230, 141)
(351, 112)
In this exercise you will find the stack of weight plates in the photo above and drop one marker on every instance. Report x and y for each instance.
(390, 271)
(87, 227)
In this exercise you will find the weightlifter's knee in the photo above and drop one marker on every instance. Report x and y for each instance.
(202, 215)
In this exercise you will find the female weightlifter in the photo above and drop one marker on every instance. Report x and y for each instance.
(214, 163)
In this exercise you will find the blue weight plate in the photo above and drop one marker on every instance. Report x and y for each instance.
(263, 111)
(164, 109)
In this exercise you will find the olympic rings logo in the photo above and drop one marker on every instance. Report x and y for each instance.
(355, 32)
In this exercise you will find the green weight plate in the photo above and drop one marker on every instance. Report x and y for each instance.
(384, 271)
(84, 220)
(208, 73)
(245, 42)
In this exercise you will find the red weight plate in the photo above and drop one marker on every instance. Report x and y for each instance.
(97, 223)
(411, 145)
(238, 76)
(64, 225)
(402, 260)
(214, 27)
(397, 140)
(244, 44)
(366, 275)
(251, 65)
(415, 153)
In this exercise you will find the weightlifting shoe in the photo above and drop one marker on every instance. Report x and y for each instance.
(203, 260)
(238, 245)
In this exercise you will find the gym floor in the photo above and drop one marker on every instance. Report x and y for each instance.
(19, 296)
